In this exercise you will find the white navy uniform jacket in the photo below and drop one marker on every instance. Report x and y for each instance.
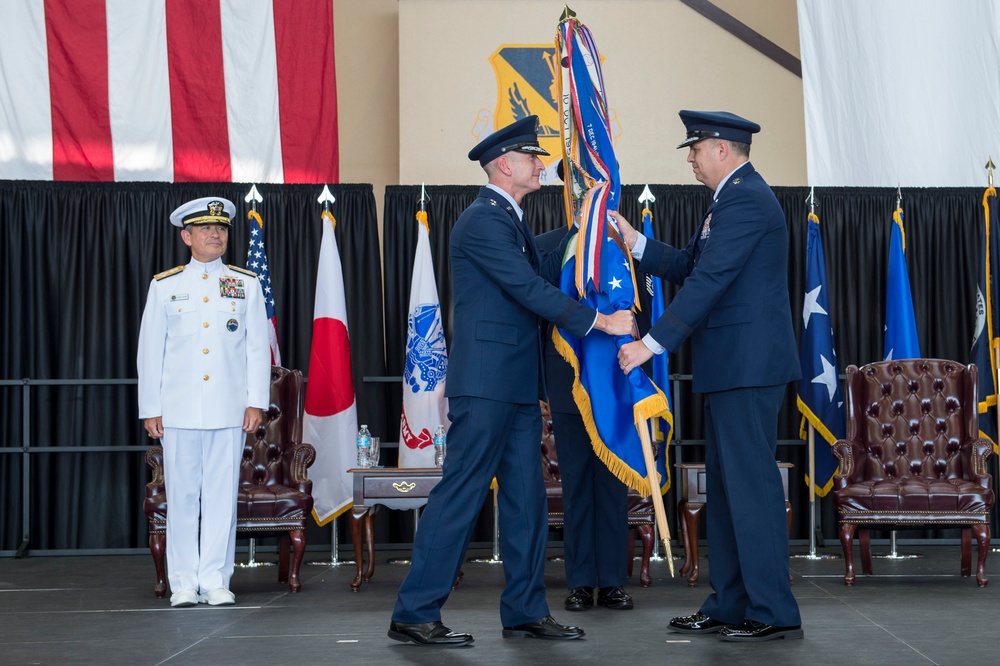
(203, 350)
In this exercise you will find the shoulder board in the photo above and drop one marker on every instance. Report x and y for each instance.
(242, 270)
(173, 271)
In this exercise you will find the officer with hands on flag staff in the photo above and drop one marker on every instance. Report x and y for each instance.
(204, 374)
(595, 501)
(733, 304)
(503, 290)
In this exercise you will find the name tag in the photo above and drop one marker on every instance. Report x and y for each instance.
(178, 297)
(231, 287)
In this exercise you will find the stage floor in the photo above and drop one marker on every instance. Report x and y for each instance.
(91, 610)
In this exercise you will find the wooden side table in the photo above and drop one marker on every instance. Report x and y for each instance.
(395, 488)
(692, 503)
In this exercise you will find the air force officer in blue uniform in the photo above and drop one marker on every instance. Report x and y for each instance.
(503, 292)
(733, 304)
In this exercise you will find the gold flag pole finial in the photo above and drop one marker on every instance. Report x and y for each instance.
(567, 14)
(989, 169)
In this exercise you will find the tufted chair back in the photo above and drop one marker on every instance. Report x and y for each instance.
(909, 419)
(268, 452)
(912, 455)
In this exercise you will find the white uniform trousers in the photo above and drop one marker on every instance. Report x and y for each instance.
(201, 473)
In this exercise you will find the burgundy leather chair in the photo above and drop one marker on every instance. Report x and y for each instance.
(913, 456)
(275, 493)
(640, 509)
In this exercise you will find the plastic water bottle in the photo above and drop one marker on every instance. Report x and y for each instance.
(364, 448)
(439, 444)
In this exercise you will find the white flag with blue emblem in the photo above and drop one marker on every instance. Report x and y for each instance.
(424, 404)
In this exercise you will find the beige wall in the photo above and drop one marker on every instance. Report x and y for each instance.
(414, 75)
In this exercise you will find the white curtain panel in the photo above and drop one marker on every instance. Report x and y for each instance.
(900, 92)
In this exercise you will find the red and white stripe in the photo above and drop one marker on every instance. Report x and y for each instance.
(186, 90)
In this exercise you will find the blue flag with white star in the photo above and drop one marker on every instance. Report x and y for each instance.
(900, 323)
(819, 397)
(612, 404)
(987, 328)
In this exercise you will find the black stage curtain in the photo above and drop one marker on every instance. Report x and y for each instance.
(76, 260)
(941, 251)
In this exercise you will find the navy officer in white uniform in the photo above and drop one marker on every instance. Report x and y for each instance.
(204, 373)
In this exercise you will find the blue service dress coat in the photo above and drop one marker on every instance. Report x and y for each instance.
(734, 306)
(503, 291)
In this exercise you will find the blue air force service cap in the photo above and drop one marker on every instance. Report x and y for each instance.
(520, 136)
(716, 125)
(207, 210)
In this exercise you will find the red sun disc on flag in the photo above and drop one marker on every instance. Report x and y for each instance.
(331, 389)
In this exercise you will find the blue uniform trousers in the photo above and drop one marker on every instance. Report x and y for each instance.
(595, 502)
(487, 438)
(747, 524)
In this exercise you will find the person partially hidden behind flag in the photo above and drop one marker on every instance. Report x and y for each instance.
(204, 373)
(733, 303)
(595, 501)
(503, 289)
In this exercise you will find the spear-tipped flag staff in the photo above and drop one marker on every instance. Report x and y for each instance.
(257, 262)
(597, 269)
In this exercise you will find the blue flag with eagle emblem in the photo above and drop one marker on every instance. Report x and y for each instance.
(424, 404)
(819, 389)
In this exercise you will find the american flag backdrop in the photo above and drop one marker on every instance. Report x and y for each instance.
(178, 91)
(257, 262)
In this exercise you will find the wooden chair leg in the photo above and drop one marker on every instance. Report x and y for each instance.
(864, 542)
(966, 564)
(630, 552)
(646, 534)
(283, 541)
(685, 539)
(847, 543)
(298, 539)
(158, 549)
(982, 531)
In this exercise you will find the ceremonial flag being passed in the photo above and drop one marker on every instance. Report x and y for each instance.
(597, 268)
(900, 323)
(664, 426)
(424, 404)
(331, 419)
(819, 398)
(257, 262)
(984, 341)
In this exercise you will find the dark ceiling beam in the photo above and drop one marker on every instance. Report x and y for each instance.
(747, 34)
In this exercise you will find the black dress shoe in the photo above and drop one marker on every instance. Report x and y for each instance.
(615, 598)
(545, 627)
(699, 623)
(580, 598)
(751, 630)
(428, 633)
